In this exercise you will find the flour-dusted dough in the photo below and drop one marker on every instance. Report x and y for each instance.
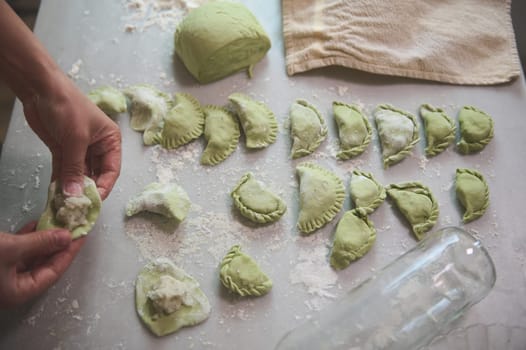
(354, 129)
(77, 214)
(167, 298)
(307, 128)
(221, 133)
(220, 38)
(367, 194)
(109, 99)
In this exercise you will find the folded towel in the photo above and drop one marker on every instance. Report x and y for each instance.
(453, 41)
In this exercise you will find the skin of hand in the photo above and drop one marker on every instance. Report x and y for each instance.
(30, 262)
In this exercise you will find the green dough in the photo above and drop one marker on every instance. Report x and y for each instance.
(77, 214)
(398, 132)
(169, 200)
(476, 130)
(353, 128)
(167, 298)
(240, 274)
(218, 39)
(472, 192)
(221, 133)
(183, 123)
(418, 205)
(321, 196)
(109, 99)
(307, 128)
(257, 120)
(148, 109)
(439, 129)
(366, 193)
(354, 237)
(256, 202)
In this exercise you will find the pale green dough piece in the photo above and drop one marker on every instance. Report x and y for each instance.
(321, 196)
(256, 202)
(438, 128)
(307, 128)
(148, 108)
(183, 123)
(221, 133)
(354, 237)
(418, 205)
(472, 192)
(109, 99)
(366, 193)
(220, 38)
(167, 298)
(257, 120)
(240, 274)
(398, 132)
(77, 214)
(354, 130)
(169, 200)
(476, 129)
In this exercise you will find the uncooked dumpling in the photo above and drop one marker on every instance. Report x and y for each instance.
(472, 192)
(109, 99)
(354, 130)
(476, 129)
(439, 129)
(220, 38)
(366, 193)
(167, 298)
(307, 128)
(221, 133)
(78, 214)
(321, 196)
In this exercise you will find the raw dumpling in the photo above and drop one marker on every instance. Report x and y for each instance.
(472, 192)
(256, 202)
(169, 200)
(321, 196)
(439, 129)
(257, 120)
(418, 205)
(242, 275)
(183, 123)
(354, 237)
(366, 193)
(221, 133)
(398, 133)
(220, 38)
(167, 298)
(77, 214)
(109, 99)
(353, 128)
(147, 110)
(307, 128)
(476, 130)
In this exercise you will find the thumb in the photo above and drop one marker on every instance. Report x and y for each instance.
(41, 243)
(72, 169)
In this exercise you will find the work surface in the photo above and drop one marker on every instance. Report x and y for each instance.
(92, 306)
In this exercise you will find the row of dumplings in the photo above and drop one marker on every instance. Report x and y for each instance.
(175, 122)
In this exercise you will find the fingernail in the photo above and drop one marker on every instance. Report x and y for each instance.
(62, 238)
(72, 189)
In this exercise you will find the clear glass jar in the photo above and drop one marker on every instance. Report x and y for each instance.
(408, 302)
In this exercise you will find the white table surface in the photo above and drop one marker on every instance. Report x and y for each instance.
(92, 306)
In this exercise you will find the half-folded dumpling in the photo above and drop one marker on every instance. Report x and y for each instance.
(221, 133)
(476, 129)
(169, 200)
(418, 205)
(183, 123)
(438, 128)
(240, 274)
(307, 128)
(109, 99)
(366, 193)
(147, 110)
(256, 202)
(354, 129)
(321, 196)
(167, 298)
(354, 237)
(472, 192)
(398, 132)
(257, 120)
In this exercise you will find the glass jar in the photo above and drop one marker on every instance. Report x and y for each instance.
(408, 302)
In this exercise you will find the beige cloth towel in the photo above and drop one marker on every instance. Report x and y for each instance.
(453, 41)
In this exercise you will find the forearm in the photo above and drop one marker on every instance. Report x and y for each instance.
(25, 65)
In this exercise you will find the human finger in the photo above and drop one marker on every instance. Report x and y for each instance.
(40, 243)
